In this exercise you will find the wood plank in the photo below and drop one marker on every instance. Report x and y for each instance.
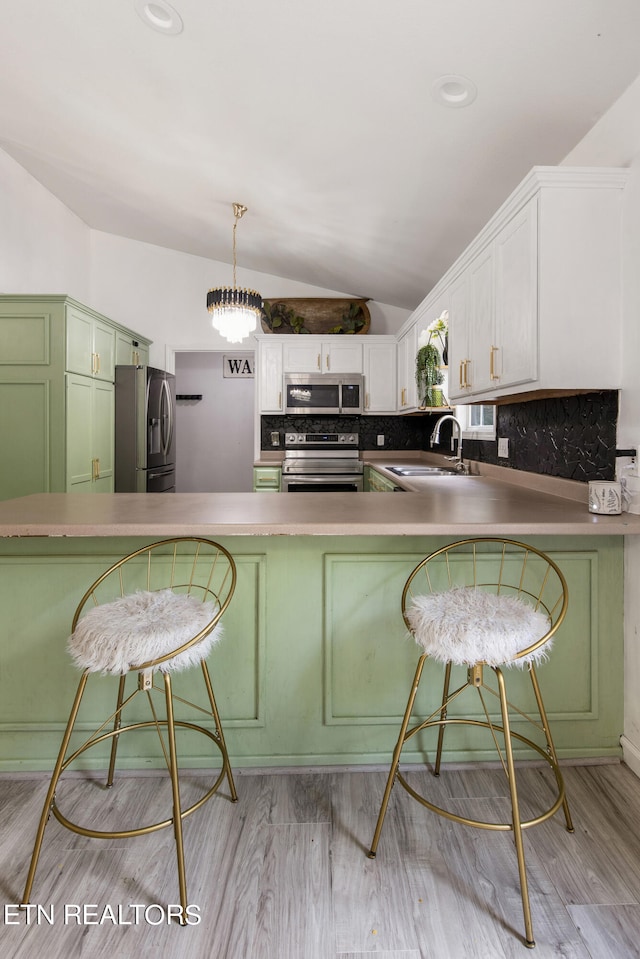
(294, 909)
(270, 887)
(610, 931)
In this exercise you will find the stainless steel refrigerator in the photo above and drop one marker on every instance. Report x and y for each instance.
(145, 459)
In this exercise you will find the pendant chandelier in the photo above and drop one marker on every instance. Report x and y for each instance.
(234, 311)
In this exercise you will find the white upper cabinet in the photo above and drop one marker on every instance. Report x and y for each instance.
(529, 296)
(407, 393)
(513, 356)
(375, 356)
(317, 354)
(269, 374)
(379, 374)
(494, 318)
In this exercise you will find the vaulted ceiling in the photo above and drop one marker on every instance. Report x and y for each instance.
(319, 116)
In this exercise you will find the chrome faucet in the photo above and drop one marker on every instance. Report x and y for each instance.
(435, 438)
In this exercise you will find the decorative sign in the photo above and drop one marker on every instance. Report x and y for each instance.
(238, 365)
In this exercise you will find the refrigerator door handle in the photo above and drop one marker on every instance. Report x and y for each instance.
(167, 427)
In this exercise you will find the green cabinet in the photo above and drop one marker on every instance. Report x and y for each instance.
(91, 344)
(90, 435)
(267, 479)
(375, 482)
(57, 368)
(130, 349)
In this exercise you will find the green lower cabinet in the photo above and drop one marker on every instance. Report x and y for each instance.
(375, 482)
(267, 479)
(315, 664)
(90, 435)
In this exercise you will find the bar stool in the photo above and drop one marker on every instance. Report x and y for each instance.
(154, 612)
(479, 603)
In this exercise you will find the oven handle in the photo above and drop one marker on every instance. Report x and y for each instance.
(299, 479)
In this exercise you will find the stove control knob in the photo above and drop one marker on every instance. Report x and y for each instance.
(290, 438)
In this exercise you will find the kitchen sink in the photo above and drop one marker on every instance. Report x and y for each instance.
(422, 471)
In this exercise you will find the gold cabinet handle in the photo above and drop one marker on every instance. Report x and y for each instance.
(403, 401)
(319, 362)
(328, 363)
(467, 381)
(280, 399)
(492, 369)
(97, 469)
(460, 380)
(366, 401)
(93, 362)
(136, 358)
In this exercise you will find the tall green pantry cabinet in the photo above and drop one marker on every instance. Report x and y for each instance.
(57, 372)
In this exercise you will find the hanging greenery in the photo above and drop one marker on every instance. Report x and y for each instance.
(429, 375)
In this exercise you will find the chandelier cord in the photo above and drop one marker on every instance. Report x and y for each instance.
(235, 224)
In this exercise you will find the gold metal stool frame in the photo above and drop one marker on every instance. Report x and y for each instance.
(207, 571)
(520, 570)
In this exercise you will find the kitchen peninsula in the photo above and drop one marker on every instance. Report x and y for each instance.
(314, 663)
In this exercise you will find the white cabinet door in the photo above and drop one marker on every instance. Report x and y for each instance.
(380, 377)
(406, 389)
(311, 354)
(501, 312)
(269, 377)
(515, 347)
(303, 355)
(342, 355)
(481, 314)
(459, 350)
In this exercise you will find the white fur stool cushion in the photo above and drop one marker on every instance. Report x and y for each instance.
(465, 625)
(116, 637)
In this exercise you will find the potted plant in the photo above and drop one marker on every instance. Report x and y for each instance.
(429, 376)
(430, 361)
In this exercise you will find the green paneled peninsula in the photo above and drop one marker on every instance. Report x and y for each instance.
(315, 663)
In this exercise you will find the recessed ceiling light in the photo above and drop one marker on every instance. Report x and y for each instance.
(454, 91)
(159, 15)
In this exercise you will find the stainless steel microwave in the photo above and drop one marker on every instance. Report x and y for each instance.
(323, 393)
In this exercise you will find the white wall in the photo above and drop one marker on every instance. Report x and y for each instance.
(615, 141)
(162, 293)
(44, 248)
(214, 435)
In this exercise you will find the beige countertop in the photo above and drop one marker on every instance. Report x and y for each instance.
(449, 506)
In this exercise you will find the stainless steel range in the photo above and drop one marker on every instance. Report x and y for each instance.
(322, 462)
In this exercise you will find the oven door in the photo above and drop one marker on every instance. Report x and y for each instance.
(326, 483)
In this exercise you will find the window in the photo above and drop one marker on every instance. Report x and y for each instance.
(478, 422)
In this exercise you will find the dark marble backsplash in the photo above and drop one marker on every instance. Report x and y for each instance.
(400, 432)
(573, 437)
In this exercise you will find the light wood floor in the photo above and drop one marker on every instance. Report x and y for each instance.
(284, 873)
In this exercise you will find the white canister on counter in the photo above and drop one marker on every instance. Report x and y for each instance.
(605, 497)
